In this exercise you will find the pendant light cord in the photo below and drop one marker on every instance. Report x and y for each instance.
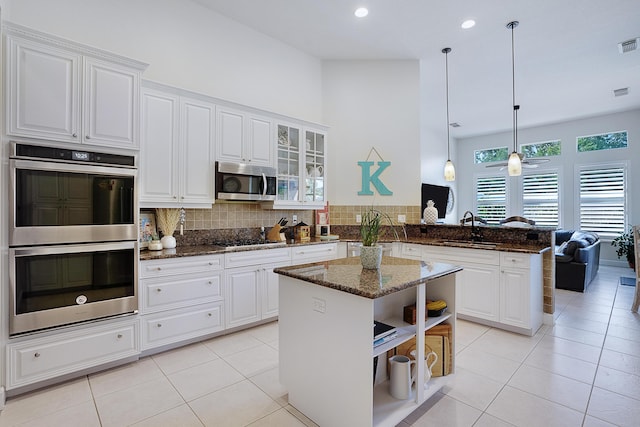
(512, 25)
(446, 51)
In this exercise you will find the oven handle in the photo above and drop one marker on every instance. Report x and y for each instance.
(67, 249)
(71, 167)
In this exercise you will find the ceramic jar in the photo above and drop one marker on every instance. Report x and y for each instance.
(430, 214)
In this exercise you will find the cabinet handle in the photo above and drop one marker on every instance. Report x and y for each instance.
(158, 290)
(119, 336)
(210, 282)
(158, 268)
(36, 354)
(159, 325)
(75, 135)
(87, 137)
(175, 197)
(209, 314)
(210, 262)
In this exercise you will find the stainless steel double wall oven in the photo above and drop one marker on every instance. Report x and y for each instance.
(73, 236)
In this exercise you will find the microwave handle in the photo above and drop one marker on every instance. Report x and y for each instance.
(264, 185)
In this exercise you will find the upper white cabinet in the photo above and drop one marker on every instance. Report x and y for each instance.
(301, 166)
(61, 91)
(176, 151)
(243, 137)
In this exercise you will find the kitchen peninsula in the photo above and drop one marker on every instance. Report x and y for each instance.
(327, 310)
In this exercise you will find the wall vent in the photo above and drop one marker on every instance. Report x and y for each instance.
(629, 45)
(621, 91)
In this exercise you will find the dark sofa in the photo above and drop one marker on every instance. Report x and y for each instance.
(577, 259)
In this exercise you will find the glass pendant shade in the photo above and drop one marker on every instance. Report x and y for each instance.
(449, 171)
(514, 165)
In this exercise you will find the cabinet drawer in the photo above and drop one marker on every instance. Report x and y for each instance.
(512, 259)
(49, 357)
(182, 265)
(163, 294)
(314, 253)
(262, 256)
(461, 255)
(178, 325)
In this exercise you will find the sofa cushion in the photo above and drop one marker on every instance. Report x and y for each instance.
(563, 236)
(591, 238)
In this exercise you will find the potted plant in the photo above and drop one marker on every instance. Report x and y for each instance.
(624, 247)
(371, 229)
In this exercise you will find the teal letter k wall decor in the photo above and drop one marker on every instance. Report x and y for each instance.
(374, 179)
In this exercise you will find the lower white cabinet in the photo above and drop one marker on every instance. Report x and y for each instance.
(314, 253)
(31, 360)
(181, 298)
(497, 288)
(251, 287)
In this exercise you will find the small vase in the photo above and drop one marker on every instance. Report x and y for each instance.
(168, 242)
(371, 257)
(430, 214)
(155, 245)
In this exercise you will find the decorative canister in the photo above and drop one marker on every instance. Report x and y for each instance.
(155, 245)
(430, 214)
(168, 242)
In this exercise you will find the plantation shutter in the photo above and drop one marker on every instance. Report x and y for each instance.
(602, 201)
(540, 198)
(491, 198)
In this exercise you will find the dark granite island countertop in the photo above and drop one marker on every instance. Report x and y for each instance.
(347, 275)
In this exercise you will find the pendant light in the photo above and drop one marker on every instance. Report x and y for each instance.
(449, 169)
(514, 165)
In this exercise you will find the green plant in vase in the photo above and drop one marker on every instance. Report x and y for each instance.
(624, 247)
(371, 230)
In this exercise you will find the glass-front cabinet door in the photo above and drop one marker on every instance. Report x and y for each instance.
(314, 166)
(288, 163)
(301, 155)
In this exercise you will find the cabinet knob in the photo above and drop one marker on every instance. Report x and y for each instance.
(87, 137)
(209, 314)
(210, 282)
(36, 354)
(159, 325)
(75, 135)
(159, 268)
(158, 290)
(210, 262)
(175, 197)
(119, 336)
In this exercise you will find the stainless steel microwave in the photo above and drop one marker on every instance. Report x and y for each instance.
(241, 181)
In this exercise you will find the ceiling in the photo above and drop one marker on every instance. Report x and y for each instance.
(566, 53)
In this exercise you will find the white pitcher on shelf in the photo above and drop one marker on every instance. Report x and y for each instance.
(427, 366)
(315, 172)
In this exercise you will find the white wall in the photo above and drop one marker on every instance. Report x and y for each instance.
(187, 46)
(373, 104)
(566, 164)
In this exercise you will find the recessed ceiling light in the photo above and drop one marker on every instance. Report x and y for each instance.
(361, 12)
(468, 24)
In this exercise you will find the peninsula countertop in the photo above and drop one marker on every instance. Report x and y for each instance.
(347, 275)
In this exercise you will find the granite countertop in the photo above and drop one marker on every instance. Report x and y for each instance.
(347, 275)
(532, 248)
(195, 250)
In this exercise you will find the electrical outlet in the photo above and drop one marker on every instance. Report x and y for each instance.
(294, 218)
(319, 305)
(358, 219)
(402, 219)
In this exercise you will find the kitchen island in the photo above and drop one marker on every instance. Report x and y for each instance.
(327, 311)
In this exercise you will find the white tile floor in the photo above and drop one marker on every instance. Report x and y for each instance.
(585, 371)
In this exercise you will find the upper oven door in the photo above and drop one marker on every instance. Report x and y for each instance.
(237, 181)
(55, 202)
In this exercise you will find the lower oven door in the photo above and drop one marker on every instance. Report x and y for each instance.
(63, 284)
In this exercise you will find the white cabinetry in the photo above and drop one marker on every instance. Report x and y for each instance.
(301, 166)
(181, 299)
(502, 289)
(176, 151)
(251, 287)
(31, 360)
(314, 253)
(62, 91)
(243, 137)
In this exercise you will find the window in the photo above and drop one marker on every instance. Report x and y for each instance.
(541, 149)
(491, 198)
(491, 155)
(605, 141)
(540, 198)
(602, 200)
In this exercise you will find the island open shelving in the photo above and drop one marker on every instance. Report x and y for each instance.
(326, 348)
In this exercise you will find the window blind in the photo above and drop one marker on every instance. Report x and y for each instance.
(540, 198)
(602, 201)
(491, 198)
